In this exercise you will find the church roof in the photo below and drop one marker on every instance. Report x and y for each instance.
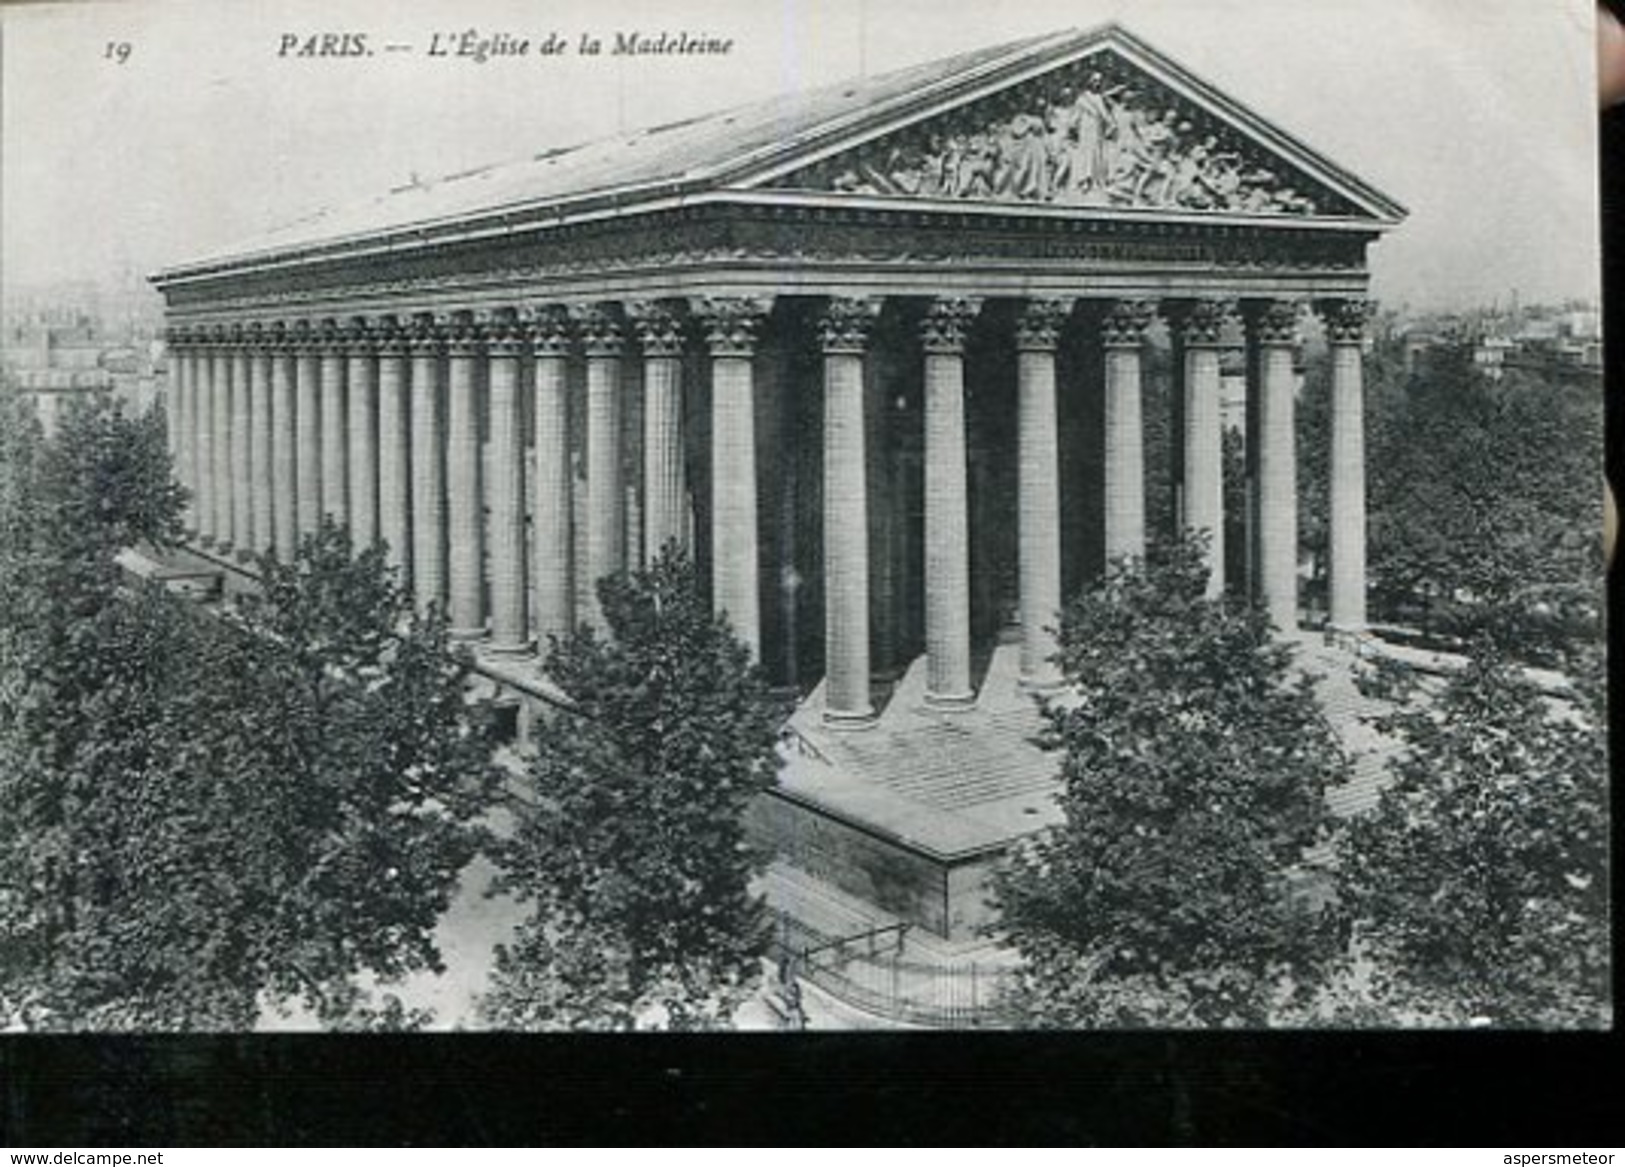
(823, 145)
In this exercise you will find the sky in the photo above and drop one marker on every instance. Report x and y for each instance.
(1477, 115)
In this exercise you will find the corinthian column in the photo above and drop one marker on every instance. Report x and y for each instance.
(174, 393)
(1275, 332)
(361, 349)
(664, 489)
(284, 458)
(844, 331)
(259, 440)
(1124, 335)
(731, 327)
(225, 484)
(394, 469)
(428, 463)
(183, 388)
(335, 467)
(308, 428)
(947, 503)
(1204, 434)
(464, 506)
(221, 446)
(197, 376)
(242, 512)
(1038, 489)
(550, 338)
(602, 339)
(1345, 330)
(504, 346)
(203, 462)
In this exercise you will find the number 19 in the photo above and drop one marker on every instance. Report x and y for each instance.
(117, 51)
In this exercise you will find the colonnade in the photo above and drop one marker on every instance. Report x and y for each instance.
(375, 422)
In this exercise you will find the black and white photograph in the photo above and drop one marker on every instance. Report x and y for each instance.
(876, 515)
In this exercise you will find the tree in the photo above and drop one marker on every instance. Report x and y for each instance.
(1478, 887)
(209, 813)
(1485, 504)
(1195, 764)
(76, 663)
(632, 847)
(357, 742)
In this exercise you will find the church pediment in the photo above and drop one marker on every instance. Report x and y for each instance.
(1115, 127)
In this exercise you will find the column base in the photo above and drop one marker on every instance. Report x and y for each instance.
(509, 647)
(1347, 635)
(465, 635)
(849, 719)
(1040, 683)
(951, 702)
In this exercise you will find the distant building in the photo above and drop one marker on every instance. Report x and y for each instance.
(53, 351)
(1490, 354)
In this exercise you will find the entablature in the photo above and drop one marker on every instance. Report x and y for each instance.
(811, 250)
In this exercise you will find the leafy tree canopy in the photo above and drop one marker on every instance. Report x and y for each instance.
(1195, 762)
(1486, 502)
(207, 813)
(1478, 888)
(633, 847)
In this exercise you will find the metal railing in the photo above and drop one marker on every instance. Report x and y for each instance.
(868, 971)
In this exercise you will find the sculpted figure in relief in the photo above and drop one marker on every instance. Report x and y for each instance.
(1098, 142)
(1080, 132)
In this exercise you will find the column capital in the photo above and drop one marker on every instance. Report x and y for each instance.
(1345, 319)
(330, 334)
(216, 336)
(946, 322)
(505, 333)
(1273, 322)
(276, 336)
(390, 336)
(463, 332)
(426, 332)
(1127, 322)
(358, 336)
(658, 326)
(254, 336)
(847, 322)
(599, 326)
(731, 323)
(1200, 323)
(550, 330)
(1038, 327)
(302, 336)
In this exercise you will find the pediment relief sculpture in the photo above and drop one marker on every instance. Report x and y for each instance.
(1098, 133)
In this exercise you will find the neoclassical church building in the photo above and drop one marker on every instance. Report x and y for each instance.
(874, 355)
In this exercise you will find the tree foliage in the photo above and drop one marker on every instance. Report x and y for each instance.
(632, 848)
(206, 813)
(358, 742)
(1195, 763)
(1485, 502)
(77, 665)
(1478, 887)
